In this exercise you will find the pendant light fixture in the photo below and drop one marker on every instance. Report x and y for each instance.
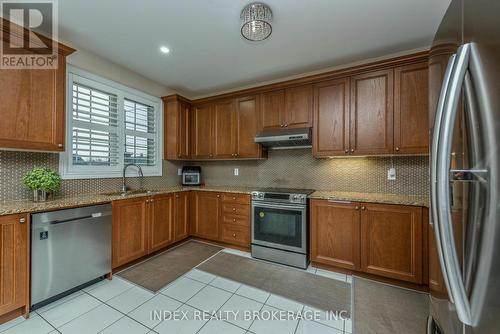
(256, 20)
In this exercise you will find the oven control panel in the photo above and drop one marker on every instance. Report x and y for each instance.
(279, 197)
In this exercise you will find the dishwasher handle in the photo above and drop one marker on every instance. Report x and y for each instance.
(93, 215)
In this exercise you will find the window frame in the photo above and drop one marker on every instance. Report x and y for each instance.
(69, 171)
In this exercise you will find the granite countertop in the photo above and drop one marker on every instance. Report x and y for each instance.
(372, 197)
(23, 206)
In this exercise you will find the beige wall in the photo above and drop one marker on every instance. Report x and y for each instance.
(109, 70)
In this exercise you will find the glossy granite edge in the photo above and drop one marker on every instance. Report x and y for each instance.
(28, 206)
(372, 198)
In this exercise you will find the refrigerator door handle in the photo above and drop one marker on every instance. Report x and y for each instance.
(434, 149)
(442, 183)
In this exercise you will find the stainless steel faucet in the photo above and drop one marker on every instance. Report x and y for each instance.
(124, 186)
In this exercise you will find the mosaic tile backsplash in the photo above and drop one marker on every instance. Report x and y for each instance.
(287, 168)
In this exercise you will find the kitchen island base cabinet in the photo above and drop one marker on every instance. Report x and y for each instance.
(335, 229)
(378, 239)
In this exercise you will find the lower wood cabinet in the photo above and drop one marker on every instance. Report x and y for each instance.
(335, 233)
(379, 239)
(141, 226)
(205, 209)
(14, 248)
(181, 222)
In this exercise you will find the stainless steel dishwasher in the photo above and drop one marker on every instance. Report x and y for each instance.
(68, 249)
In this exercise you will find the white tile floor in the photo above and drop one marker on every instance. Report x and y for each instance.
(118, 306)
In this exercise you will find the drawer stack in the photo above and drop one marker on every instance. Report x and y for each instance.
(235, 224)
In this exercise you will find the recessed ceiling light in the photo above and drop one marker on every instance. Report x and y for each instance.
(164, 49)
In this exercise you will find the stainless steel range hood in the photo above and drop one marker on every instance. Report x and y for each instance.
(285, 139)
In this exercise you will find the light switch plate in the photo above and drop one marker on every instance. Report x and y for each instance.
(236, 172)
(391, 174)
(179, 171)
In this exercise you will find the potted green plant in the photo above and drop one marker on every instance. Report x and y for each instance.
(43, 182)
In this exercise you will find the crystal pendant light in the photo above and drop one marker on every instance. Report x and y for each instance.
(256, 20)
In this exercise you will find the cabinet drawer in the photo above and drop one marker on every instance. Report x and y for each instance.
(236, 220)
(236, 198)
(236, 209)
(234, 234)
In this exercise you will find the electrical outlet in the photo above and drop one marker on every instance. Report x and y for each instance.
(179, 171)
(391, 174)
(236, 172)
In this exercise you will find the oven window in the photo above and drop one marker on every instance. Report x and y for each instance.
(279, 226)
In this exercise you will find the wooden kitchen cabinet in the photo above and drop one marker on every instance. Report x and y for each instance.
(391, 241)
(411, 109)
(33, 106)
(181, 222)
(14, 264)
(177, 128)
(335, 233)
(161, 221)
(224, 131)
(130, 230)
(298, 107)
(372, 113)
(273, 110)
(331, 118)
(205, 213)
(202, 132)
(247, 125)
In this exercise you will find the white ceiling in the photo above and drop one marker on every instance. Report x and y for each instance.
(209, 55)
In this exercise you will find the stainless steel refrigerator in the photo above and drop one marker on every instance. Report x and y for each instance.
(464, 95)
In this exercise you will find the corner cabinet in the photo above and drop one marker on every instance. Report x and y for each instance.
(379, 239)
(177, 126)
(33, 106)
(14, 271)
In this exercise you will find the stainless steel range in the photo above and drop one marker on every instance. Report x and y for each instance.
(280, 226)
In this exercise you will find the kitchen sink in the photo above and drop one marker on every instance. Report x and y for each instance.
(127, 193)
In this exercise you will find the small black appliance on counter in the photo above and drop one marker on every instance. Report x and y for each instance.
(191, 175)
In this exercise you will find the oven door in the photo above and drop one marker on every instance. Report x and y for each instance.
(280, 226)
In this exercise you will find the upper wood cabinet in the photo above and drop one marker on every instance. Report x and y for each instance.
(411, 109)
(224, 131)
(287, 108)
(391, 241)
(14, 274)
(372, 113)
(335, 233)
(202, 132)
(33, 106)
(205, 212)
(247, 126)
(176, 128)
(273, 110)
(331, 118)
(298, 107)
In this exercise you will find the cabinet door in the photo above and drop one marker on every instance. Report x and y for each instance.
(205, 211)
(335, 231)
(331, 118)
(372, 113)
(176, 129)
(224, 130)
(129, 230)
(273, 110)
(183, 132)
(161, 220)
(391, 241)
(181, 222)
(298, 107)
(32, 108)
(247, 121)
(13, 262)
(411, 109)
(202, 132)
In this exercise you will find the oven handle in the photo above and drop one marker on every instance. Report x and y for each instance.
(279, 206)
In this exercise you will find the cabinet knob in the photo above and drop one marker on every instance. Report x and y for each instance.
(282, 125)
(22, 220)
(218, 196)
(234, 198)
(234, 209)
(236, 154)
(234, 235)
(234, 219)
(286, 125)
(397, 149)
(346, 150)
(59, 145)
(176, 196)
(363, 208)
(211, 155)
(356, 207)
(352, 150)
